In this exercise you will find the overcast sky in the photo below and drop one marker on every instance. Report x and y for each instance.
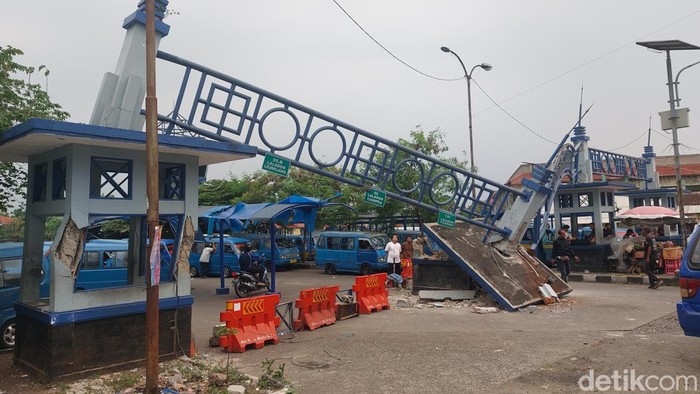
(310, 52)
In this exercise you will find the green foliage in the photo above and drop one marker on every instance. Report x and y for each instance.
(221, 331)
(13, 232)
(271, 379)
(263, 186)
(20, 101)
(124, 381)
(51, 227)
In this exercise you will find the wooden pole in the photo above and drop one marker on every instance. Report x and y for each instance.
(152, 310)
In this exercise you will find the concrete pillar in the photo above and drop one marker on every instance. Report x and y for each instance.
(652, 181)
(121, 95)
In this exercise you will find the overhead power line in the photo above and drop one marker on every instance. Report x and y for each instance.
(511, 116)
(391, 53)
(595, 59)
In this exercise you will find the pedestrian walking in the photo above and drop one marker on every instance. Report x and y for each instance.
(650, 256)
(562, 252)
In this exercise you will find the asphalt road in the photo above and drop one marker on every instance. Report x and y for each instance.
(600, 327)
(605, 327)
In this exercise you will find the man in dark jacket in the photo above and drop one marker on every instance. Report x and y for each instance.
(247, 265)
(650, 256)
(561, 251)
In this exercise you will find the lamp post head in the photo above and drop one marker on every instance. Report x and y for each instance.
(445, 49)
(486, 66)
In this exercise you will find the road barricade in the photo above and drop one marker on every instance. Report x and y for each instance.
(317, 308)
(254, 321)
(371, 293)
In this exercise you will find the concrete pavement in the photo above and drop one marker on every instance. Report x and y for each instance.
(453, 349)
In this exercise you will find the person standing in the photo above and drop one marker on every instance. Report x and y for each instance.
(566, 228)
(245, 261)
(562, 252)
(650, 259)
(393, 255)
(204, 259)
(407, 259)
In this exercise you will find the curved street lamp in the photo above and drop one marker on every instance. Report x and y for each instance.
(468, 76)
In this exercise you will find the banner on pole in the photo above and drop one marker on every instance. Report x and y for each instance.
(155, 256)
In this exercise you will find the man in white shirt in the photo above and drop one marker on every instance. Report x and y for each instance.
(204, 259)
(393, 255)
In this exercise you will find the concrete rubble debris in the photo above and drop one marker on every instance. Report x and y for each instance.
(200, 374)
(486, 309)
(235, 389)
(404, 303)
(454, 295)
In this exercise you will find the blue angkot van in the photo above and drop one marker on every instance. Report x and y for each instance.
(357, 252)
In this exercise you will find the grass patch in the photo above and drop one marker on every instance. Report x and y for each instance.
(124, 381)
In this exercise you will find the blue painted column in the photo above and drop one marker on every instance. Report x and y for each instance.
(273, 260)
(222, 289)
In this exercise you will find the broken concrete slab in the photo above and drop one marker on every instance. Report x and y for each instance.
(505, 271)
(454, 295)
(486, 309)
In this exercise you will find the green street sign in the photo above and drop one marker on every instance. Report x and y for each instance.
(276, 165)
(375, 197)
(446, 219)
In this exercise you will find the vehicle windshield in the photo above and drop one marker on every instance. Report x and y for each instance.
(285, 243)
(378, 242)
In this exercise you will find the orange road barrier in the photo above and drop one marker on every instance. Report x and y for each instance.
(252, 323)
(316, 308)
(371, 292)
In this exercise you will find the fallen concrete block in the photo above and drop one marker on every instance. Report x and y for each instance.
(549, 296)
(486, 309)
(454, 295)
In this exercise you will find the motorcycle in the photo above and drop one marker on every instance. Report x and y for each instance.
(245, 283)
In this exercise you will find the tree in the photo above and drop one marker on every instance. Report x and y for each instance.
(266, 187)
(20, 101)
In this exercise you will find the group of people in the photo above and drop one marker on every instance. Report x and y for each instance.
(563, 254)
(400, 257)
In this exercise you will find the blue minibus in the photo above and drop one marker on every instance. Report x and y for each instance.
(232, 248)
(357, 252)
(286, 254)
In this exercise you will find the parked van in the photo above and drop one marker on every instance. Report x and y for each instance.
(103, 264)
(358, 252)
(286, 254)
(688, 308)
(232, 249)
(308, 251)
(10, 275)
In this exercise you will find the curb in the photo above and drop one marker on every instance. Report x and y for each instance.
(669, 280)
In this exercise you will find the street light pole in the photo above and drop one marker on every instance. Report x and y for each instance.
(468, 76)
(668, 46)
(676, 154)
